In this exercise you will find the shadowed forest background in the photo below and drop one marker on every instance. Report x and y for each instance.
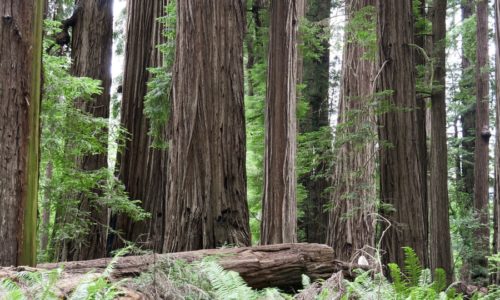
(249, 149)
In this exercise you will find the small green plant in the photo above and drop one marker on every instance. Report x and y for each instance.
(157, 100)
(411, 283)
(204, 279)
(43, 285)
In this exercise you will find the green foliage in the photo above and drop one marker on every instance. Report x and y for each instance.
(68, 134)
(412, 268)
(204, 279)
(413, 283)
(362, 29)
(313, 38)
(157, 100)
(423, 26)
(43, 285)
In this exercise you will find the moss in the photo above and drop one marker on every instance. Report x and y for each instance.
(27, 253)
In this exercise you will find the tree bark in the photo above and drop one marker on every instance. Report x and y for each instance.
(262, 266)
(20, 85)
(401, 170)
(439, 225)
(142, 168)
(92, 42)
(206, 196)
(20, 31)
(481, 153)
(352, 218)
(279, 207)
(468, 119)
(423, 113)
(468, 122)
(496, 206)
(316, 74)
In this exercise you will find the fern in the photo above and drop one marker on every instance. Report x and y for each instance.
(412, 268)
(10, 290)
(227, 284)
(439, 283)
(398, 284)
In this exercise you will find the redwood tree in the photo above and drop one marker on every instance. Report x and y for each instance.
(439, 225)
(92, 43)
(316, 74)
(465, 177)
(142, 168)
(279, 211)
(496, 206)
(481, 152)
(20, 79)
(401, 174)
(352, 222)
(206, 195)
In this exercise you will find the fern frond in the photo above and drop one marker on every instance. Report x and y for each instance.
(398, 284)
(227, 284)
(413, 268)
(10, 290)
(439, 283)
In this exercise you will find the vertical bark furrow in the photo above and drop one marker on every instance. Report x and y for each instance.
(481, 152)
(20, 73)
(352, 222)
(279, 212)
(400, 167)
(142, 168)
(439, 226)
(206, 196)
(92, 46)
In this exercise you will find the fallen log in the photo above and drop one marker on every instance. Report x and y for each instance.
(261, 266)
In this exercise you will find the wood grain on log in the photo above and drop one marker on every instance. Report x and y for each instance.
(261, 266)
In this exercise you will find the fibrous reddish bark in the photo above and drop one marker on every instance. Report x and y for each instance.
(352, 222)
(261, 266)
(481, 152)
(439, 225)
(92, 46)
(206, 195)
(400, 167)
(279, 211)
(20, 79)
(142, 168)
(496, 206)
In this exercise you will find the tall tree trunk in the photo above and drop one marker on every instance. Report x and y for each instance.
(279, 211)
(423, 113)
(496, 206)
(352, 222)
(92, 42)
(468, 121)
(20, 82)
(316, 78)
(439, 225)
(206, 196)
(481, 153)
(401, 171)
(142, 168)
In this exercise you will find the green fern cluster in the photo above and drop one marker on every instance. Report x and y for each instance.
(411, 283)
(43, 285)
(204, 279)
